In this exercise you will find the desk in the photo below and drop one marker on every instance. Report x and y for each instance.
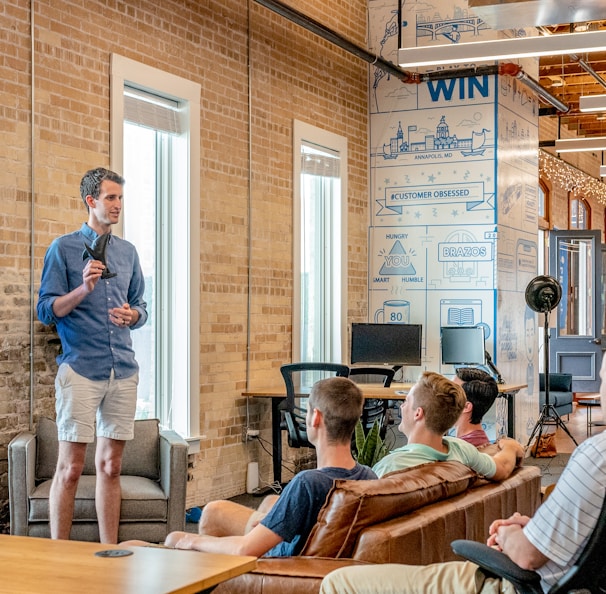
(397, 391)
(31, 565)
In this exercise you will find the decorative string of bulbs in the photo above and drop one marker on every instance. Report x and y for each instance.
(570, 178)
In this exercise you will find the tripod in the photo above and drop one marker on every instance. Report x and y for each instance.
(549, 415)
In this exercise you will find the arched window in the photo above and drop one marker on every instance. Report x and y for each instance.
(579, 214)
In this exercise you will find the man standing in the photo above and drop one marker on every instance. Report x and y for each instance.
(431, 408)
(97, 378)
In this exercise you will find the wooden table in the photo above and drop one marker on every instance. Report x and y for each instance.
(397, 391)
(34, 565)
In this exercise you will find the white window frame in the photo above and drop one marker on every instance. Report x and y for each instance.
(185, 397)
(307, 133)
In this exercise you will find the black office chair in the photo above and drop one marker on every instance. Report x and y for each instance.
(587, 574)
(293, 416)
(374, 409)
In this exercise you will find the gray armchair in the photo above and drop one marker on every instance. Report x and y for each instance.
(560, 392)
(153, 481)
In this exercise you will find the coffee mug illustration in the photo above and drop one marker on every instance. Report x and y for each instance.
(394, 311)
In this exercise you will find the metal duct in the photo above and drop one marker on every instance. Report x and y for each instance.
(587, 68)
(408, 77)
(516, 71)
(319, 29)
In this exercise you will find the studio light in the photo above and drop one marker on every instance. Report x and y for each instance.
(502, 49)
(575, 145)
(543, 294)
(589, 103)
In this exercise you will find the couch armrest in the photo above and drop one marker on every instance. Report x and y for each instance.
(21, 480)
(277, 575)
(173, 477)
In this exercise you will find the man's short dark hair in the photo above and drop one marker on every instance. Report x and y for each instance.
(90, 184)
(481, 390)
(340, 401)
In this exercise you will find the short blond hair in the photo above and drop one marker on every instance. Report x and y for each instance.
(441, 400)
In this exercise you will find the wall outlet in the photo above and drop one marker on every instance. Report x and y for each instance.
(249, 434)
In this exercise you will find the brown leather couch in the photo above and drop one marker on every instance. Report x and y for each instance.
(408, 516)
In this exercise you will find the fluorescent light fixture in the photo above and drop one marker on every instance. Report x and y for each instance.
(592, 103)
(501, 49)
(572, 145)
(602, 170)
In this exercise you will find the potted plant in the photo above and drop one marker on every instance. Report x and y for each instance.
(368, 448)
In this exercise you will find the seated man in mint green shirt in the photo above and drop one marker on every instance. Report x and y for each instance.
(431, 408)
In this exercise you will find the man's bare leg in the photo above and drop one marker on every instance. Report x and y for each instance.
(108, 496)
(70, 463)
(261, 512)
(224, 518)
(267, 503)
(227, 518)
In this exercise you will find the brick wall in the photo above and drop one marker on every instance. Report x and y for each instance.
(294, 74)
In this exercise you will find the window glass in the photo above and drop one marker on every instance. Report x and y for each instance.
(139, 224)
(320, 250)
(155, 140)
(579, 214)
(575, 274)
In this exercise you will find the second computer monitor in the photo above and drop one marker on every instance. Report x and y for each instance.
(386, 344)
(463, 345)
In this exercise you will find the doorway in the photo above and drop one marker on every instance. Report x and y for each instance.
(575, 260)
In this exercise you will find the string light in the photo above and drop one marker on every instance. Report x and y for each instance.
(568, 177)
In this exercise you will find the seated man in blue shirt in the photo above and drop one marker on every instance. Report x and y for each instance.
(94, 297)
(431, 408)
(334, 407)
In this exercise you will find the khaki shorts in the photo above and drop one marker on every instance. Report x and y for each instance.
(81, 402)
(454, 577)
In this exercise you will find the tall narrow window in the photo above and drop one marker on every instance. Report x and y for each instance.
(320, 235)
(544, 225)
(155, 131)
(579, 214)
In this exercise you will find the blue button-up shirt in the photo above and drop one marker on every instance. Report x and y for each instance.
(91, 344)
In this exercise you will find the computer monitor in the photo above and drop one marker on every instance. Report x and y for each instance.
(463, 345)
(386, 344)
